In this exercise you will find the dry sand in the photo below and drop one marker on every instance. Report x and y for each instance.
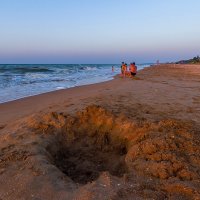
(129, 138)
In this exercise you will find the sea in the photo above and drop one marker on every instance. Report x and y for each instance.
(23, 80)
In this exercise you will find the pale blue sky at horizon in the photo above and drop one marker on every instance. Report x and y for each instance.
(98, 31)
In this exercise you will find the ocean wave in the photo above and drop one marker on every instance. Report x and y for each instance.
(43, 81)
(90, 68)
(23, 70)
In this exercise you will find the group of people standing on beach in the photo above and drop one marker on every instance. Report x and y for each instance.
(132, 69)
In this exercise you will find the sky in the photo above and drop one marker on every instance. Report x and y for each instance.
(98, 31)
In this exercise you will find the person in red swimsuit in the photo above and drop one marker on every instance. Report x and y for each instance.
(133, 69)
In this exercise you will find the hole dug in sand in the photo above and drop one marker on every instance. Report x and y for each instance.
(86, 156)
(163, 156)
(87, 147)
(95, 141)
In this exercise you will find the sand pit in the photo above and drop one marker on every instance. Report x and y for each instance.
(96, 154)
(86, 147)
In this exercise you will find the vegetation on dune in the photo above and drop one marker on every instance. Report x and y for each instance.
(195, 60)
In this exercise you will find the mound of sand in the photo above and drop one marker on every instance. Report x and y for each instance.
(96, 154)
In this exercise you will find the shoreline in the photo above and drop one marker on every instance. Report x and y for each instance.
(43, 99)
(25, 101)
(65, 88)
(54, 91)
(26, 90)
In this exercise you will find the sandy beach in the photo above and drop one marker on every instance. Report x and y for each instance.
(129, 138)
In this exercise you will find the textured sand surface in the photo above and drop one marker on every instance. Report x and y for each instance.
(123, 139)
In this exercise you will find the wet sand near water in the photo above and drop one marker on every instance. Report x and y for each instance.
(129, 138)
